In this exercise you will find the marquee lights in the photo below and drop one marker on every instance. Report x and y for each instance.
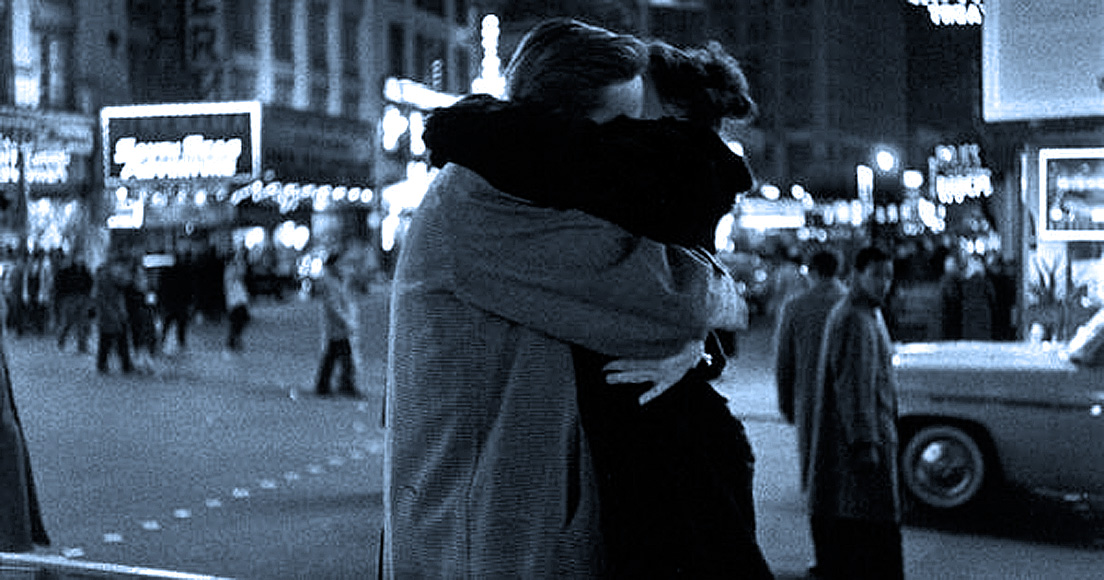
(953, 12)
(288, 196)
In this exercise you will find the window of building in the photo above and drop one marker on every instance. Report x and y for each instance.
(462, 7)
(350, 43)
(433, 6)
(429, 61)
(282, 33)
(285, 89)
(319, 94)
(55, 85)
(350, 101)
(318, 17)
(463, 70)
(243, 84)
(242, 19)
(396, 51)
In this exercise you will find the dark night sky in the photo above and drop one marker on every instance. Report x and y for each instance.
(944, 73)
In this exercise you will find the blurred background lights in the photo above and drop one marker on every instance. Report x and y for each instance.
(797, 191)
(394, 125)
(885, 160)
(770, 191)
(254, 237)
(292, 235)
(912, 179)
(417, 127)
(722, 238)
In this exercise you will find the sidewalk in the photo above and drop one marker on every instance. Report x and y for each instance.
(748, 379)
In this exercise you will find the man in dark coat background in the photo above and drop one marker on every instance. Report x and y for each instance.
(797, 345)
(852, 478)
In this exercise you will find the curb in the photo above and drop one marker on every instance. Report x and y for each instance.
(33, 566)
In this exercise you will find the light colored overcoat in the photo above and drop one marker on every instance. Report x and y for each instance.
(487, 470)
(855, 405)
(797, 345)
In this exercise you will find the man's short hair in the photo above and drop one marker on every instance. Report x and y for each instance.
(563, 66)
(825, 263)
(870, 255)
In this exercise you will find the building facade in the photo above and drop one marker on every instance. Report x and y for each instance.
(57, 59)
(319, 69)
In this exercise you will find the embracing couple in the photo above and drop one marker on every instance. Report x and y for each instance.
(553, 320)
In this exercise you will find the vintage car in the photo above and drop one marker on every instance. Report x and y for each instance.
(978, 415)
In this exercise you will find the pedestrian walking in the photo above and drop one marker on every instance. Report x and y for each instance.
(853, 488)
(109, 301)
(490, 292)
(74, 302)
(336, 320)
(21, 525)
(141, 304)
(176, 297)
(797, 341)
(237, 300)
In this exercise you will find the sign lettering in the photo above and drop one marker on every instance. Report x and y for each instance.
(193, 156)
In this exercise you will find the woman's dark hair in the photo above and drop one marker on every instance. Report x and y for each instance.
(563, 65)
(707, 84)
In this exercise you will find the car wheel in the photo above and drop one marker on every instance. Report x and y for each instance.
(943, 467)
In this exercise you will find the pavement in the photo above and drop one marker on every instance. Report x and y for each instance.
(279, 369)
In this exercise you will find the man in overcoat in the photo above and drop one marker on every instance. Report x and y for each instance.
(852, 478)
(797, 345)
(488, 473)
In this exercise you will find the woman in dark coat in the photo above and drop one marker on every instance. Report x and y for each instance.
(675, 473)
(21, 526)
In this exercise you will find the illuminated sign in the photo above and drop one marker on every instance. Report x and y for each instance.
(953, 12)
(1071, 194)
(182, 142)
(956, 174)
(43, 167)
(192, 156)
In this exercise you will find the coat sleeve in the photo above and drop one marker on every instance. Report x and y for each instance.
(582, 280)
(785, 371)
(853, 371)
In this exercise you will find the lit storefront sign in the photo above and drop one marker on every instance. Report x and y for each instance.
(181, 141)
(762, 214)
(956, 174)
(170, 164)
(1071, 194)
(953, 12)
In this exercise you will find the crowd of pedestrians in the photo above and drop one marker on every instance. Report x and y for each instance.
(123, 312)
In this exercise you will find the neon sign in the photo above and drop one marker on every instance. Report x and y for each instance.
(192, 156)
(956, 174)
(953, 12)
(181, 141)
(47, 166)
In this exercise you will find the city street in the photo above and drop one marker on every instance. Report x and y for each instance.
(228, 466)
